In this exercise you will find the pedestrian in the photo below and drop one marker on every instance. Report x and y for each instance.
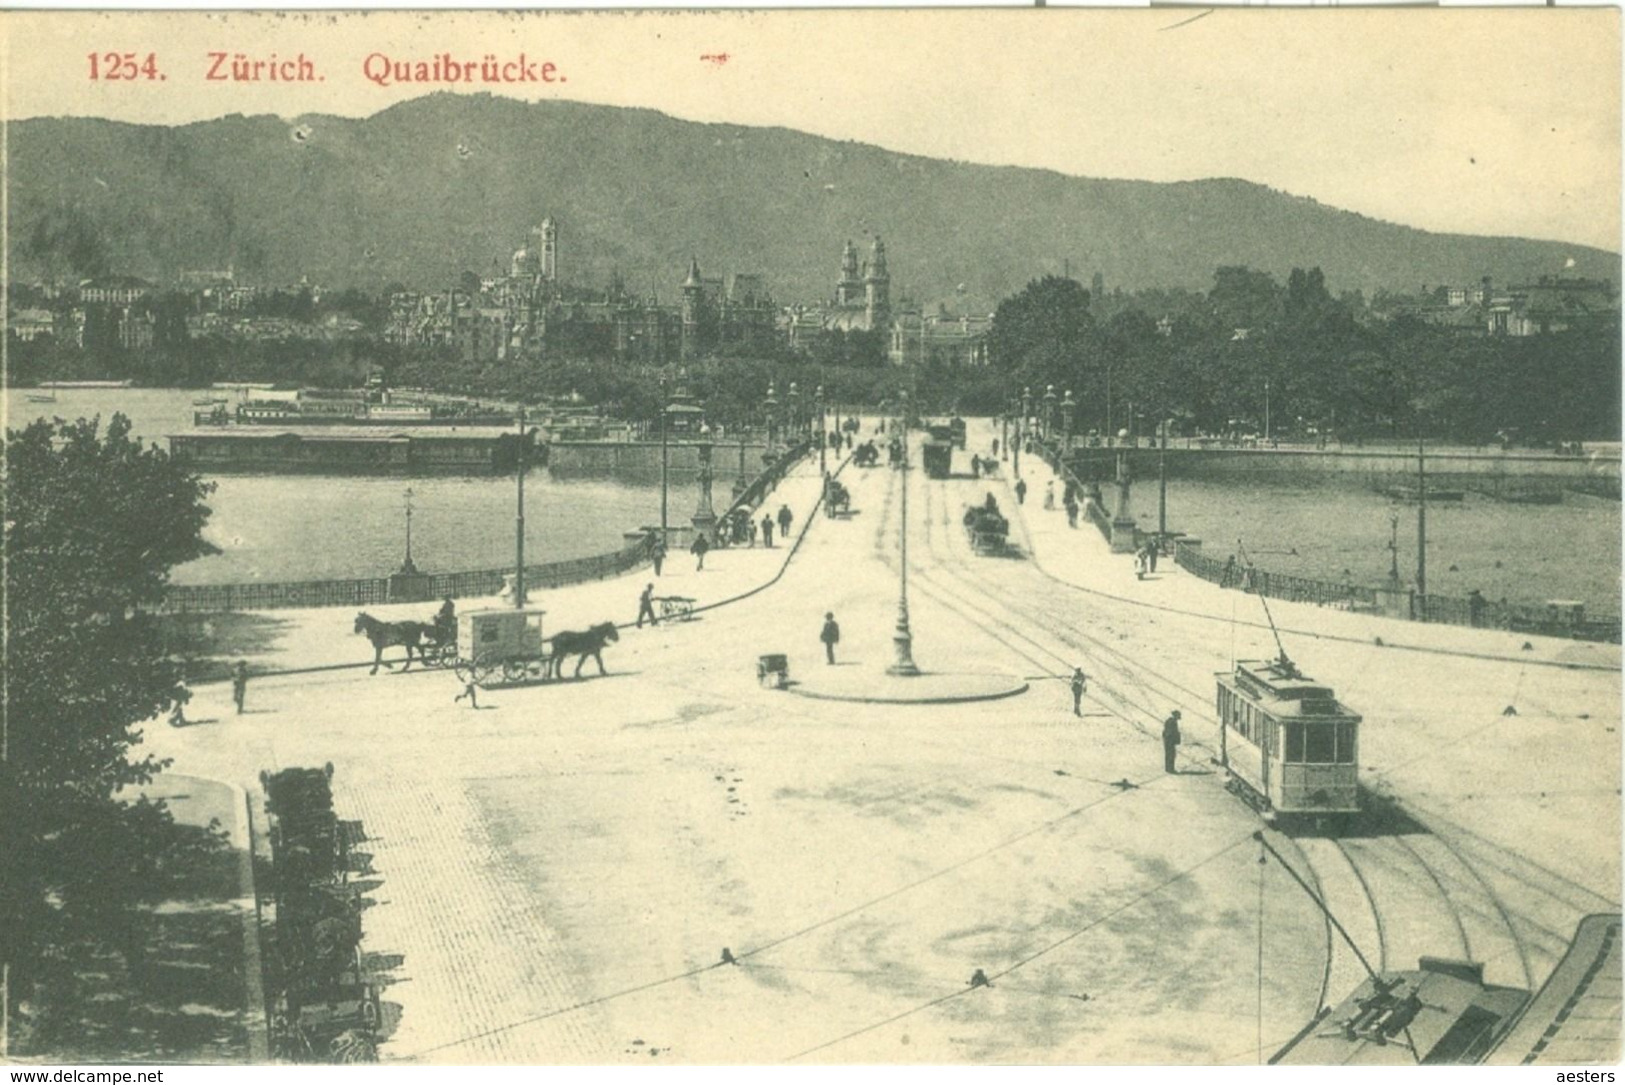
(1139, 564)
(767, 532)
(1151, 554)
(1072, 513)
(239, 685)
(976, 467)
(469, 692)
(177, 716)
(1475, 608)
(646, 606)
(750, 530)
(1049, 495)
(657, 553)
(785, 517)
(701, 547)
(995, 448)
(1170, 741)
(1080, 686)
(1021, 491)
(831, 636)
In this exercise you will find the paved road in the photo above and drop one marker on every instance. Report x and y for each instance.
(557, 874)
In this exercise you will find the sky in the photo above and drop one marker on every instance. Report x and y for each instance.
(1485, 121)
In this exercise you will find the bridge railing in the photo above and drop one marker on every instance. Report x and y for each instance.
(377, 590)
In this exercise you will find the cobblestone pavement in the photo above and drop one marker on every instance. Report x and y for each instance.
(554, 876)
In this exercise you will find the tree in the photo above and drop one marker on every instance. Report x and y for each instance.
(93, 525)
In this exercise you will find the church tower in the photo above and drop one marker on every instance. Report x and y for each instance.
(877, 290)
(849, 289)
(549, 249)
(693, 288)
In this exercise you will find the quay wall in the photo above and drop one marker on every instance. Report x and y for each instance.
(641, 459)
(413, 586)
(1460, 468)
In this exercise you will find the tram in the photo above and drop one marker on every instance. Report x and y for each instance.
(1288, 746)
(937, 451)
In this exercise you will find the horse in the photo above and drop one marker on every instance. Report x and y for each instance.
(389, 634)
(589, 643)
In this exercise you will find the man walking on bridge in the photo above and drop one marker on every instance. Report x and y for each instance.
(1021, 491)
(239, 685)
(767, 532)
(646, 606)
(785, 517)
(1080, 685)
(831, 636)
(1170, 741)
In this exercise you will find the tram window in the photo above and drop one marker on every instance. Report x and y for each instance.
(1294, 742)
(1345, 744)
(1320, 746)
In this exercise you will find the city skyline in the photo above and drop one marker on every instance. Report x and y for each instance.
(1492, 123)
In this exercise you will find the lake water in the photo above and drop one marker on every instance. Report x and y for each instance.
(313, 527)
(1333, 531)
(316, 527)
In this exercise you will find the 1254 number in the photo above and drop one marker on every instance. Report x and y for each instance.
(111, 66)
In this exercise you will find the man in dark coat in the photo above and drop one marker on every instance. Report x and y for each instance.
(767, 532)
(831, 636)
(239, 685)
(1080, 685)
(657, 553)
(1170, 741)
(785, 517)
(1021, 491)
(701, 547)
(646, 606)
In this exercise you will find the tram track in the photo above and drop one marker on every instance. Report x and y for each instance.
(1456, 900)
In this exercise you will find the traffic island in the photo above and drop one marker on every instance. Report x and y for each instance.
(867, 686)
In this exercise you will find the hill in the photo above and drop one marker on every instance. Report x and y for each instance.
(430, 188)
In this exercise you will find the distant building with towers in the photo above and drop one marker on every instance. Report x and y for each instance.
(732, 313)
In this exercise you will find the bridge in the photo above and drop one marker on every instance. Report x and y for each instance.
(555, 875)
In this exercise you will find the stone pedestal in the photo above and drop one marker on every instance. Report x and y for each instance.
(705, 517)
(409, 586)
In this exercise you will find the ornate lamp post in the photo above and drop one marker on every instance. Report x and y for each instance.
(793, 417)
(519, 522)
(1004, 434)
(1021, 425)
(823, 438)
(664, 459)
(741, 483)
(903, 638)
(771, 405)
(1049, 411)
(1067, 407)
(705, 517)
(407, 567)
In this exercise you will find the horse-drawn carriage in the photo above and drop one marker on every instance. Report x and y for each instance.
(986, 527)
(837, 498)
(507, 648)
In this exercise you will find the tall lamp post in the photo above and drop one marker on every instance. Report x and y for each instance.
(823, 438)
(407, 567)
(1162, 482)
(903, 637)
(1004, 434)
(771, 405)
(664, 458)
(1067, 407)
(519, 523)
(1021, 425)
(741, 483)
(1049, 411)
(793, 414)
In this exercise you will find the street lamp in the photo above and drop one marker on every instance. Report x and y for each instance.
(519, 521)
(664, 457)
(771, 405)
(1004, 434)
(1049, 411)
(1021, 425)
(1067, 407)
(793, 419)
(823, 438)
(903, 638)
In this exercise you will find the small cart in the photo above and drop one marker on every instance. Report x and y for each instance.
(501, 648)
(773, 671)
(678, 608)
